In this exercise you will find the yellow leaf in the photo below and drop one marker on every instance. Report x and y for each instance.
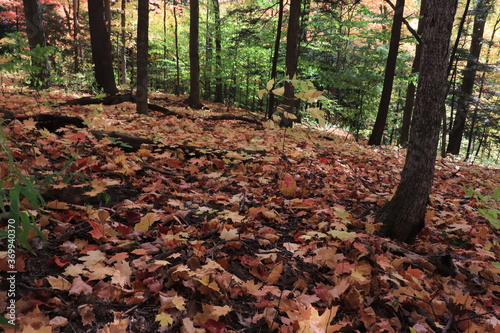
(279, 91)
(164, 319)
(59, 283)
(228, 235)
(270, 84)
(146, 222)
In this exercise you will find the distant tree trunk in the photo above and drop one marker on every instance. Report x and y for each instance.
(403, 217)
(76, 31)
(292, 53)
(219, 96)
(453, 63)
(101, 48)
(481, 13)
(207, 69)
(165, 67)
(390, 70)
(410, 90)
(36, 39)
(177, 65)
(274, 66)
(123, 47)
(194, 57)
(142, 56)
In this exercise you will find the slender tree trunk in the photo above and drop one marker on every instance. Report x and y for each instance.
(482, 9)
(403, 216)
(177, 65)
(36, 39)
(410, 90)
(76, 32)
(101, 48)
(142, 56)
(207, 69)
(194, 56)
(292, 54)
(219, 96)
(123, 47)
(274, 66)
(390, 70)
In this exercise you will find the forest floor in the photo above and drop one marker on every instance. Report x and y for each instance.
(226, 226)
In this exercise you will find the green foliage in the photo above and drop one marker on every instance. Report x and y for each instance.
(18, 198)
(490, 205)
(305, 91)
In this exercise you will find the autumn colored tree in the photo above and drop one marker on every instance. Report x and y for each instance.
(37, 41)
(390, 69)
(403, 216)
(101, 48)
(483, 7)
(194, 56)
(142, 56)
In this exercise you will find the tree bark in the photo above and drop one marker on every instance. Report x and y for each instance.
(403, 217)
(410, 90)
(101, 48)
(123, 46)
(390, 70)
(142, 56)
(292, 53)
(469, 76)
(274, 66)
(36, 39)
(194, 57)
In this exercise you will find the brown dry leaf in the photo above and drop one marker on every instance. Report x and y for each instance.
(86, 311)
(80, 287)
(59, 282)
(275, 273)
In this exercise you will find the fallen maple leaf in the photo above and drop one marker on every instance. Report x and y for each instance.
(146, 222)
(80, 287)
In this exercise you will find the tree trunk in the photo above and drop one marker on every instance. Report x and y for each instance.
(274, 66)
(36, 39)
(101, 48)
(219, 98)
(76, 31)
(403, 217)
(469, 76)
(142, 56)
(194, 57)
(123, 46)
(410, 90)
(390, 70)
(292, 53)
(177, 65)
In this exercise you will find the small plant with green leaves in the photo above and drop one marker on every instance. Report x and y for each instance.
(19, 199)
(305, 91)
(489, 205)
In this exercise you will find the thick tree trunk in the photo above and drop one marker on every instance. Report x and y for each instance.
(194, 56)
(274, 66)
(36, 38)
(410, 90)
(403, 217)
(142, 56)
(101, 48)
(469, 76)
(292, 52)
(390, 70)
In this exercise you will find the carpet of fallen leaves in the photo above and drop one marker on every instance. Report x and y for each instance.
(249, 230)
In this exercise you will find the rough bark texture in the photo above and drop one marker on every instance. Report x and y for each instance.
(36, 38)
(390, 69)
(403, 217)
(101, 48)
(194, 56)
(469, 76)
(142, 57)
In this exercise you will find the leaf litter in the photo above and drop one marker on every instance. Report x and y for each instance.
(252, 230)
